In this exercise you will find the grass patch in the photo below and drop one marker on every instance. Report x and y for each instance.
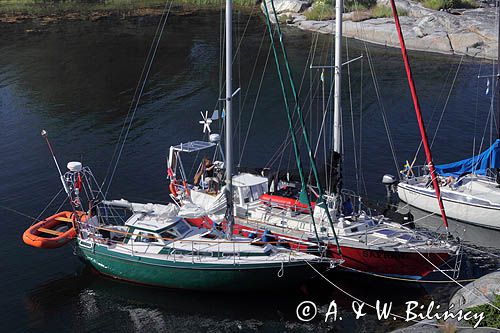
(449, 4)
(491, 315)
(385, 11)
(48, 7)
(325, 9)
(355, 5)
(320, 11)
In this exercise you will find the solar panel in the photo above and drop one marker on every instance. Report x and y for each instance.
(193, 146)
(405, 238)
(386, 233)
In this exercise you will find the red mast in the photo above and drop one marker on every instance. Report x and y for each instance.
(419, 114)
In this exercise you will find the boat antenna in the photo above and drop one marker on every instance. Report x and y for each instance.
(228, 119)
(45, 135)
(421, 124)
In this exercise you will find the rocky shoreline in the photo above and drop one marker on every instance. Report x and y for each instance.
(470, 32)
(479, 292)
(96, 15)
(86, 12)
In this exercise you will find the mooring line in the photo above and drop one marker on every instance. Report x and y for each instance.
(372, 306)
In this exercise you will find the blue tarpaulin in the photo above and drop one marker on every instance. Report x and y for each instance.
(489, 159)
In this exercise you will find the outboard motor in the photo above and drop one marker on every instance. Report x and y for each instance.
(390, 182)
(408, 219)
(405, 219)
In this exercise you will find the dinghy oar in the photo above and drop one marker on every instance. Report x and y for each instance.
(421, 124)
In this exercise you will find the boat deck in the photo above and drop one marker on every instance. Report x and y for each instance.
(472, 190)
(365, 232)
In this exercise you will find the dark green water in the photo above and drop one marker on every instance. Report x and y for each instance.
(76, 80)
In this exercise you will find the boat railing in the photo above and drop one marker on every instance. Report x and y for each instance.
(414, 171)
(285, 217)
(96, 236)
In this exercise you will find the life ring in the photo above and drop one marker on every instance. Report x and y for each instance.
(172, 188)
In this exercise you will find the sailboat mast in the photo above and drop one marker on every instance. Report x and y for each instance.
(228, 119)
(498, 68)
(337, 114)
(420, 119)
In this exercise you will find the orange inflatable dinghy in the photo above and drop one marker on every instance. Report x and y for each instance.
(53, 232)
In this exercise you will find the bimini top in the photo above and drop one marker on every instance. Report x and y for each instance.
(489, 159)
(247, 179)
(193, 146)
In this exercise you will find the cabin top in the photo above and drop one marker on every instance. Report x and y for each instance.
(155, 218)
(247, 179)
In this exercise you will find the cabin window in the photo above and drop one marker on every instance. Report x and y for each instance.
(182, 227)
(237, 195)
(258, 190)
(245, 194)
(176, 231)
(252, 193)
(169, 234)
(145, 237)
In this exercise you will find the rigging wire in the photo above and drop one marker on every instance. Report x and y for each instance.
(48, 205)
(362, 33)
(36, 219)
(368, 304)
(19, 213)
(479, 292)
(286, 142)
(381, 107)
(447, 100)
(361, 127)
(476, 111)
(321, 199)
(134, 106)
(279, 154)
(356, 169)
(256, 97)
(405, 279)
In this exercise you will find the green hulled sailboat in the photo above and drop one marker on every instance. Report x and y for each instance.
(157, 247)
(151, 244)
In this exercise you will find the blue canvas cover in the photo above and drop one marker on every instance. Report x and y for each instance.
(489, 159)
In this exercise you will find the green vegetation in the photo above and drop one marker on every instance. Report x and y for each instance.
(48, 7)
(449, 4)
(356, 5)
(386, 11)
(320, 11)
(491, 315)
(362, 9)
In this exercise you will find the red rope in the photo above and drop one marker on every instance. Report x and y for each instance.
(419, 114)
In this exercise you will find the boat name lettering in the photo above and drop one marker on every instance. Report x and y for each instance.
(384, 255)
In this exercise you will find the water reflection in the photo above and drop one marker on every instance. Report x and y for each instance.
(88, 300)
(77, 79)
